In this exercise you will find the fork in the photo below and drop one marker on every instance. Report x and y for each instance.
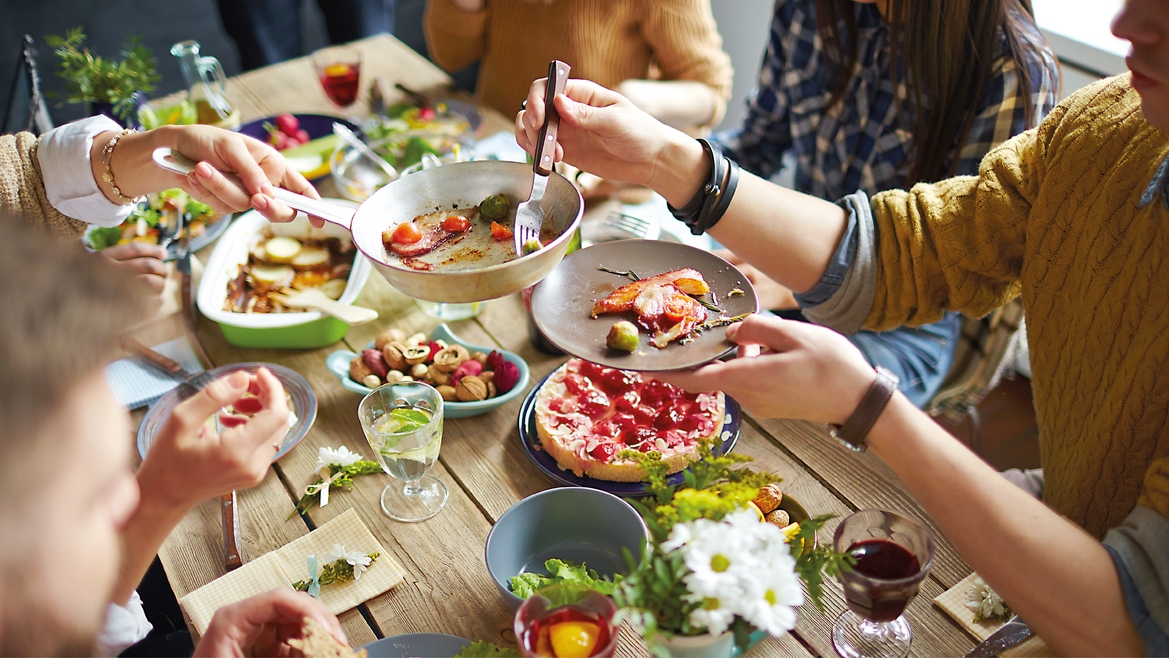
(529, 215)
(634, 226)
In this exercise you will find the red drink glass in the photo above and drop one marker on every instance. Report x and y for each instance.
(893, 555)
(564, 620)
(339, 70)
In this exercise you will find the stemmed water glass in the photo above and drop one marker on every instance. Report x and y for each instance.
(403, 424)
(893, 555)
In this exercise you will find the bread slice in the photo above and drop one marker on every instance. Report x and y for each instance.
(318, 642)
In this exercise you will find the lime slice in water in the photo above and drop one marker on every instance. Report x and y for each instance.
(401, 421)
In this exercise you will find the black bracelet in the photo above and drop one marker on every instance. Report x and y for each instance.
(690, 213)
(708, 220)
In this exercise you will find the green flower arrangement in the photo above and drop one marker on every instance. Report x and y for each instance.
(93, 79)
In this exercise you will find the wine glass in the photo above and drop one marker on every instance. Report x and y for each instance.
(893, 555)
(403, 424)
(566, 619)
(339, 70)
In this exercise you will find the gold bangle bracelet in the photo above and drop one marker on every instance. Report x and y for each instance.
(107, 154)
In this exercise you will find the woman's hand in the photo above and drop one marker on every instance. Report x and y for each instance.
(803, 371)
(263, 624)
(190, 462)
(145, 261)
(601, 132)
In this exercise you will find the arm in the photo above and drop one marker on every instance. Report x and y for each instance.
(456, 32)
(22, 188)
(1053, 574)
(696, 73)
(189, 463)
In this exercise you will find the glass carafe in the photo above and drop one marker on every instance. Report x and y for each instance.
(206, 83)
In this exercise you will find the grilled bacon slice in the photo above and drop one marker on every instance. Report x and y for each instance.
(662, 303)
(621, 300)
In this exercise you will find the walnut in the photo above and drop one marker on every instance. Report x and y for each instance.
(389, 336)
(358, 371)
(448, 393)
(416, 354)
(451, 357)
(471, 389)
(394, 358)
(438, 377)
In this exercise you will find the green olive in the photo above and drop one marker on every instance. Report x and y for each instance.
(531, 245)
(623, 337)
(494, 208)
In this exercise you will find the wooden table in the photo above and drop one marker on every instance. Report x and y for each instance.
(447, 588)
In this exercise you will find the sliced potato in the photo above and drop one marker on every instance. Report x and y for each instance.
(311, 257)
(335, 288)
(281, 249)
(272, 276)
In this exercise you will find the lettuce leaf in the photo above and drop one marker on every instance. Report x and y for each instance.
(560, 571)
(101, 238)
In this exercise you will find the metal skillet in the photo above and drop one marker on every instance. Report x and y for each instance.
(474, 269)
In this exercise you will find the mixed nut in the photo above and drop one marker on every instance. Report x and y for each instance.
(458, 374)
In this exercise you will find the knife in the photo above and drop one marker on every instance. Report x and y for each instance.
(1010, 634)
(189, 383)
(231, 535)
(186, 294)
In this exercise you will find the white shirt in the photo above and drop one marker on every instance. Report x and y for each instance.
(123, 627)
(63, 153)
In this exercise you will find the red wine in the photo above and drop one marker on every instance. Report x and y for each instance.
(880, 559)
(537, 639)
(340, 83)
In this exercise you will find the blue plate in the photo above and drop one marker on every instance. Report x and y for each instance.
(431, 645)
(530, 442)
(304, 405)
(338, 364)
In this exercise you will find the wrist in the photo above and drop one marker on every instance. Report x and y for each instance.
(681, 168)
(854, 430)
(160, 496)
(133, 165)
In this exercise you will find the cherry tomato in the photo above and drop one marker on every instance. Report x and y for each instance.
(456, 224)
(500, 232)
(407, 233)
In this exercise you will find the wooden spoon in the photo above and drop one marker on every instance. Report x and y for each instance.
(318, 301)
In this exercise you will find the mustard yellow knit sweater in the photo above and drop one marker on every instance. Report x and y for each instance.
(1053, 216)
(606, 41)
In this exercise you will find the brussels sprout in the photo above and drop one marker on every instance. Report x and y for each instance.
(531, 245)
(623, 337)
(494, 208)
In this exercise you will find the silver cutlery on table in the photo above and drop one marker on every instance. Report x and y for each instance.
(636, 227)
(189, 383)
(529, 217)
(354, 141)
(1010, 634)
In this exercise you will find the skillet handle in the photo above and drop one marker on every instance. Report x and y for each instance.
(546, 147)
(172, 160)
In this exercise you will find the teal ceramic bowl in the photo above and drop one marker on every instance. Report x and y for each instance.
(338, 364)
(573, 524)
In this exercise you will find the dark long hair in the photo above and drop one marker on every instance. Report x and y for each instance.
(947, 50)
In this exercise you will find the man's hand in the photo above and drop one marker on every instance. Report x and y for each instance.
(145, 261)
(262, 625)
(804, 371)
(190, 462)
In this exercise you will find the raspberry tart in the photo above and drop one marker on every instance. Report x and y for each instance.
(587, 413)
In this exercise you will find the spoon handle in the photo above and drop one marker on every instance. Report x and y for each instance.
(172, 160)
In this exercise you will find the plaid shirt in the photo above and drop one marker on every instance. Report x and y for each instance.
(863, 143)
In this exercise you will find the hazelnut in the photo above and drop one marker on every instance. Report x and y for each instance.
(393, 356)
(451, 357)
(394, 376)
(358, 371)
(471, 389)
(415, 354)
(487, 376)
(481, 357)
(371, 381)
(491, 390)
(438, 377)
(418, 371)
(448, 393)
(389, 336)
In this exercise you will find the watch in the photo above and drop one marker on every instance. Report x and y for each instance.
(854, 430)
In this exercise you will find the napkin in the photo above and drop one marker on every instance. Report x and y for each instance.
(288, 564)
(136, 384)
(953, 603)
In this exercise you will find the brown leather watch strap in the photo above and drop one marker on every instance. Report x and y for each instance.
(854, 430)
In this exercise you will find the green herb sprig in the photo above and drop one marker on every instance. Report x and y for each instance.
(360, 467)
(338, 571)
(627, 273)
(93, 79)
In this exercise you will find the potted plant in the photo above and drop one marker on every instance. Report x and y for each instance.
(715, 576)
(111, 88)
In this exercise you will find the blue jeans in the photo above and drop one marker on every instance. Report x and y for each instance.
(919, 356)
(268, 31)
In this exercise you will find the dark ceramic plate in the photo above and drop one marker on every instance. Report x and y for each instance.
(562, 303)
(316, 125)
(304, 405)
(433, 645)
(530, 441)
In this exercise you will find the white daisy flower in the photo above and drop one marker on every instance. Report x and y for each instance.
(713, 615)
(356, 559)
(985, 602)
(772, 595)
(342, 456)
